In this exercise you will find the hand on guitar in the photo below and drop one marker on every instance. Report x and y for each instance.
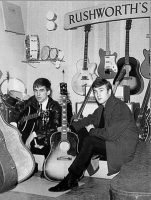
(13, 124)
(30, 139)
(89, 127)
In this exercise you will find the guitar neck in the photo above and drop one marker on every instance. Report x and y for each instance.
(87, 30)
(84, 103)
(85, 51)
(64, 113)
(108, 52)
(145, 101)
(32, 116)
(127, 48)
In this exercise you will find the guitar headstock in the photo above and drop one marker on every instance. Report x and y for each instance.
(63, 88)
(128, 24)
(87, 28)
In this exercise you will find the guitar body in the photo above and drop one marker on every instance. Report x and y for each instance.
(61, 156)
(83, 77)
(134, 80)
(28, 125)
(8, 171)
(145, 66)
(21, 156)
(107, 68)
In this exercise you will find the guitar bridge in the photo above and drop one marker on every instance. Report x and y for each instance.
(64, 158)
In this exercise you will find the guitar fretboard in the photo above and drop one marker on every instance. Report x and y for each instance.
(107, 39)
(25, 118)
(64, 116)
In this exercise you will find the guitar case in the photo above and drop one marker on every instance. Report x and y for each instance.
(8, 171)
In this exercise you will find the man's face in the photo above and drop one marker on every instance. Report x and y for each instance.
(41, 93)
(102, 94)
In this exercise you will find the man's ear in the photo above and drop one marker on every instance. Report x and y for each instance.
(48, 92)
(110, 91)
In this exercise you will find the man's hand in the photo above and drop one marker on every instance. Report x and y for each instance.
(13, 124)
(89, 127)
(30, 139)
(59, 129)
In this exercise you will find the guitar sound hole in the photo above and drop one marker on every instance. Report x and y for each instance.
(64, 146)
(107, 71)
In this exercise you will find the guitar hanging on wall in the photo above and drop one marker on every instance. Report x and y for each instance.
(64, 146)
(145, 66)
(107, 68)
(132, 77)
(86, 71)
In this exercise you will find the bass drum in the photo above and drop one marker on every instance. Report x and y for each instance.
(12, 84)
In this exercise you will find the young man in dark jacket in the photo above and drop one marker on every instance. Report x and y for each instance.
(38, 117)
(112, 132)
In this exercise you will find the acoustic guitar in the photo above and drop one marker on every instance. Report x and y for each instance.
(143, 118)
(64, 146)
(107, 68)
(85, 71)
(16, 161)
(132, 77)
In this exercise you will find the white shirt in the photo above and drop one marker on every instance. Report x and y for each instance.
(44, 104)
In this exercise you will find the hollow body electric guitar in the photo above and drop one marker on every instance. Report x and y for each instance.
(64, 146)
(132, 77)
(85, 71)
(107, 68)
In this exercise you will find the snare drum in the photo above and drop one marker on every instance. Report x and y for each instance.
(32, 47)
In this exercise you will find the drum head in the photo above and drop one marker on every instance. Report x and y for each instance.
(18, 95)
(45, 51)
(53, 53)
(12, 84)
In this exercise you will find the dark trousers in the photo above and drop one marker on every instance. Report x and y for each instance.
(91, 146)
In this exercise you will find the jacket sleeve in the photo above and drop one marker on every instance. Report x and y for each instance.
(81, 123)
(120, 120)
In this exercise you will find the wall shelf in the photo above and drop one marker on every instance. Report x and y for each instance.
(30, 62)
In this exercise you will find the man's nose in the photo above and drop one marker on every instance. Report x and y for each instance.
(38, 93)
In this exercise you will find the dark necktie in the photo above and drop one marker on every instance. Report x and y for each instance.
(102, 121)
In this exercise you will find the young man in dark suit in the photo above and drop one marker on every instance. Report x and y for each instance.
(112, 132)
(42, 116)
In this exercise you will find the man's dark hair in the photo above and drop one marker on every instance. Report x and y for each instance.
(98, 82)
(42, 82)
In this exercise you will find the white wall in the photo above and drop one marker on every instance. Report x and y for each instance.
(72, 43)
(12, 49)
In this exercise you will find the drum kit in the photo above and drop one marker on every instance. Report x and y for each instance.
(33, 52)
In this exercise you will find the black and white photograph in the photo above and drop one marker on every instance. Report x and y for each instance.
(75, 100)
